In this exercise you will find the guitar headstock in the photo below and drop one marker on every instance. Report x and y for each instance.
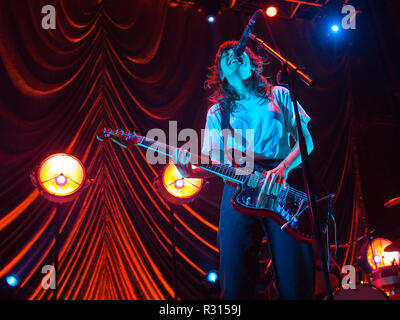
(124, 138)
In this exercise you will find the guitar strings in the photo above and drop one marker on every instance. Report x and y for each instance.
(297, 192)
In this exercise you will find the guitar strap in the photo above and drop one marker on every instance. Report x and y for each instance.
(225, 116)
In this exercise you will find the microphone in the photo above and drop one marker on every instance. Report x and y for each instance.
(241, 46)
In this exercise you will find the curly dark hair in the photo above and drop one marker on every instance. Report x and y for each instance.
(226, 95)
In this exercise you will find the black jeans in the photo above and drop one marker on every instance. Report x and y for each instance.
(239, 240)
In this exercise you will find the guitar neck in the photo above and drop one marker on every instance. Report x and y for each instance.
(238, 175)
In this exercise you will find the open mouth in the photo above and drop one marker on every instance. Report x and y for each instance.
(232, 60)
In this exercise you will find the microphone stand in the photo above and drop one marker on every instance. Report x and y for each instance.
(294, 72)
(173, 248)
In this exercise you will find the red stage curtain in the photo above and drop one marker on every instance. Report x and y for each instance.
(133, 65)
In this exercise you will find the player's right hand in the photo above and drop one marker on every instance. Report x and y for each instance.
(181, 158)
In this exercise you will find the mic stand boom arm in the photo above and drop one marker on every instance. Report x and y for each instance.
(286, 63)
(293, 72)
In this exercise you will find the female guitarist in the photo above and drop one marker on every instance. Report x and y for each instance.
(251, 102)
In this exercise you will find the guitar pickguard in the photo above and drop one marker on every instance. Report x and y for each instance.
(289, 208)
(289, 211)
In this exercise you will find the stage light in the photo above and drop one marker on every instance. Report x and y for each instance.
(60, 177)
(377, 257)
(271, 11)
(176, 188)
(212, 276)
(335, 28)
(179, 183)
(61, 180)
(381, 266)
(372, 255)
(173, 3)
(12, 280)
(210, 19)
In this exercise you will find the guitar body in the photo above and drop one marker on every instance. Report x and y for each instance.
(288, 210)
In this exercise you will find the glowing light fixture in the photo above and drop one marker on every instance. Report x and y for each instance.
(335, 28)
(271, 11)
(61, 180)
(377, 257)
(211, 19)
(12, 280)
(60, 177)
(176, 188)
(212, 276)
(179, 183)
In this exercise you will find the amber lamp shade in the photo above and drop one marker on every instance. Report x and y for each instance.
(377, 257)
(176, 188)
(60, 177)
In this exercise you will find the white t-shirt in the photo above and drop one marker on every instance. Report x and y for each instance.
(272, 122)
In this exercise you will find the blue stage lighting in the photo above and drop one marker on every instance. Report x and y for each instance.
(210, 19)
(335, 28)
(12, 280)
(212, 276)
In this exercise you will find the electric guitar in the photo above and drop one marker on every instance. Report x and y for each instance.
(289, 208)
